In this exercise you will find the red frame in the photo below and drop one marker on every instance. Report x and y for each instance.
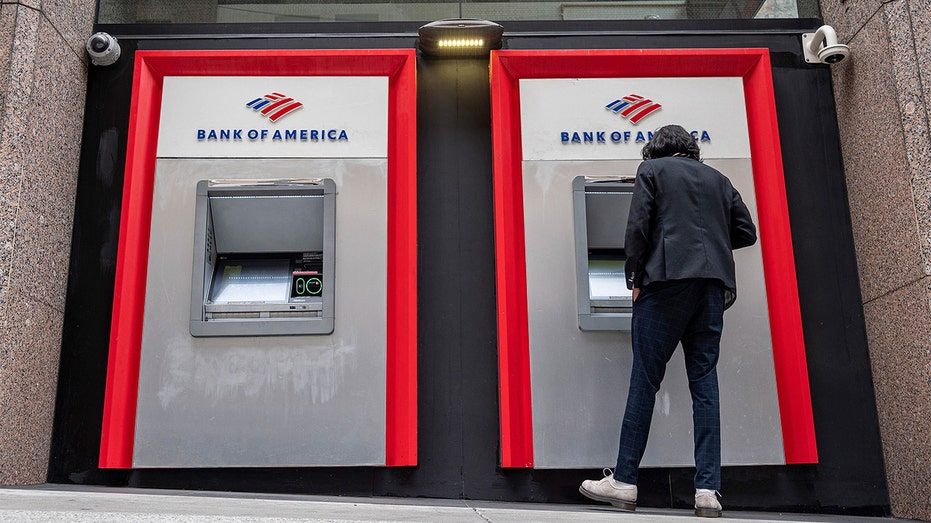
(753, 65)
(399, 65)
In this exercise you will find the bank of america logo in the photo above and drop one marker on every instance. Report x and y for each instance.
(634, 107)
(274, 105)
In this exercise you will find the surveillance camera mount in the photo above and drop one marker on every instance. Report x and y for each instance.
(103, 49)
(822, 47)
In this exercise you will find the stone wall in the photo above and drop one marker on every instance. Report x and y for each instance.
(43, 78)
(881, 93)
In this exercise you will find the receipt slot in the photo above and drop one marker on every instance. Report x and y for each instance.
(600, 209)
(263, 258)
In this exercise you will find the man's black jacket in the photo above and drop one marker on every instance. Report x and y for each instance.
(685, 219)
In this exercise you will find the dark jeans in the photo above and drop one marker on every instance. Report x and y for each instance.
(690, 311)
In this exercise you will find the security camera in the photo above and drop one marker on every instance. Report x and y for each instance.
(103, 49)
(821, 47)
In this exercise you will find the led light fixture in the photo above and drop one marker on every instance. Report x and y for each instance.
(459, 38)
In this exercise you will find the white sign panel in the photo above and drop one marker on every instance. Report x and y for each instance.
(274, 116)
(612, 118)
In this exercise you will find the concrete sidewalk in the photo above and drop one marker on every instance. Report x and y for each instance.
(81, 504)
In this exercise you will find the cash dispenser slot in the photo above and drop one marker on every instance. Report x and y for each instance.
(263, 258)
(600, 209)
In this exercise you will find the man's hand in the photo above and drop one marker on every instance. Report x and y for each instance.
(635, 293)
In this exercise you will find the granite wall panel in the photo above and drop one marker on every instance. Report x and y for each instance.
(876, 165)
(73, 20)
(24, 24)
(6, 49)
(882, 105)
(909, 55)
(31, 333)
(32, 4)
(46, 207)
(45, 71)
(899, 333)
(847, 17)
(918, 17)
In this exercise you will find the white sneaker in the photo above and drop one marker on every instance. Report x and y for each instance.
(707, 504)
(608, 490)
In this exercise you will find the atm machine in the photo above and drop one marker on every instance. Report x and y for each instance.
(252, 324)
(263, 258)
(600, 207)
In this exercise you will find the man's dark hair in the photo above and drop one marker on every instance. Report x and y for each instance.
(671, 140)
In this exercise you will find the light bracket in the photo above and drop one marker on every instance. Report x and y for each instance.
(459, 38)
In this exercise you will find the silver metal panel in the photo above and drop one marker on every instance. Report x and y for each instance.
(316, 400)
(579, 379)
(253, 223)
(604, 211)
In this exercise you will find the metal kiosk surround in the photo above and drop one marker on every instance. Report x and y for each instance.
(263, 258)
(600, 207)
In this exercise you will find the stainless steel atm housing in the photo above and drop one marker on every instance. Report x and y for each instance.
(600, 208)
(263, 258)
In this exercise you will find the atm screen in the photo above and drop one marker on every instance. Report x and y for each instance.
(251, 281)
(606, 280)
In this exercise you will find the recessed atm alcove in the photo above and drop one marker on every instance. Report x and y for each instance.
(600, 209)
(263, 258)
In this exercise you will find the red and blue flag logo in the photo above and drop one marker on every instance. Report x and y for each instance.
(275, 106)
(633, 107)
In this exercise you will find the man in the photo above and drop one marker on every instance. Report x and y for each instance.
(685, 220)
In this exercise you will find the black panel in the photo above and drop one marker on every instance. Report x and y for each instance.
(458, 356)
(86, 332)
(832, 315)
(457, 353)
